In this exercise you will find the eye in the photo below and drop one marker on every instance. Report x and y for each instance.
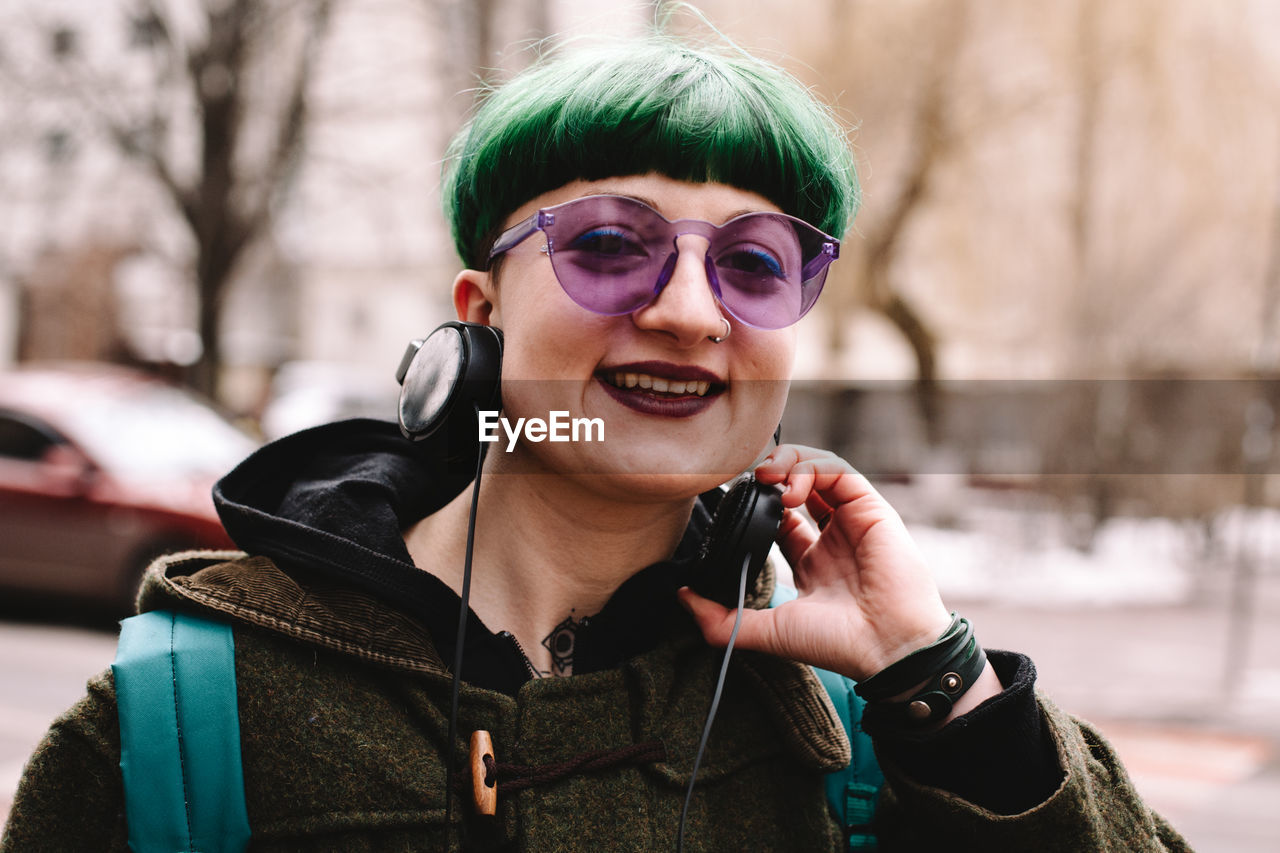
(606, 241)
(751, 261)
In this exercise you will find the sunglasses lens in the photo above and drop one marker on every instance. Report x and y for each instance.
(608, 253)
(766, 270)
(613, 255)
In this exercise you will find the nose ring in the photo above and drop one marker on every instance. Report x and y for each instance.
(727, 329)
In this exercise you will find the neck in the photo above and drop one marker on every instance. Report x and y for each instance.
(546, 549)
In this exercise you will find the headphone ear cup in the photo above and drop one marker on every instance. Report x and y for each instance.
(446, 378)
(744, 526)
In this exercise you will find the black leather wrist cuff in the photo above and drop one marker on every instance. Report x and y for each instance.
(939, 696)
(947, 669)
(1000, 756)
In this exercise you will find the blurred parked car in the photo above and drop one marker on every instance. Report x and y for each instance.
(101, 469)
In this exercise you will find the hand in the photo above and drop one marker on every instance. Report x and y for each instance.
(866, 597)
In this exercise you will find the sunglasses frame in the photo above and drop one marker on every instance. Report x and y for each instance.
(544, 218)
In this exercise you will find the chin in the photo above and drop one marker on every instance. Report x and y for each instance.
(693, 465)
(649, 487)
(632, 472)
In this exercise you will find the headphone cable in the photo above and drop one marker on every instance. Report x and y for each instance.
(464, 610)
(715, 701)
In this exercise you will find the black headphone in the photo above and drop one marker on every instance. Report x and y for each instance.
(445, 379)
(743, 529)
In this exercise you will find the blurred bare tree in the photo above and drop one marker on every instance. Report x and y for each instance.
(213, 107)
(931, 134)
(483, 41)
(246, 74)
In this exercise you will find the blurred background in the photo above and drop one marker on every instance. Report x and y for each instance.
(1053, 337)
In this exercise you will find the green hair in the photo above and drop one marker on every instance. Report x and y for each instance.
(650, 106)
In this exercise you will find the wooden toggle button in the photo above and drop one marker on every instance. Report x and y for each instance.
(484, 793)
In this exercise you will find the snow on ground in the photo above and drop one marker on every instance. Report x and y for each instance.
(994, 550)
(1130, 564)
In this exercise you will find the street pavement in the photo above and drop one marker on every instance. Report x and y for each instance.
(1199, 736)
(43, 668)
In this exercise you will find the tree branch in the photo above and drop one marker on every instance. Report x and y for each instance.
(932, 141)
(289, 135)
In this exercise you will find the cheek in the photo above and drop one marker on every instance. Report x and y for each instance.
(770, 370)
(548, 362)
(771, 356)
(551, 346)
(547, 335)
(770, 403)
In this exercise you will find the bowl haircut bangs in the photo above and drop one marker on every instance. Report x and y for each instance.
(655, 106)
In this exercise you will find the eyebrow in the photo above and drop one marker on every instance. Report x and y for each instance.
(639, 198)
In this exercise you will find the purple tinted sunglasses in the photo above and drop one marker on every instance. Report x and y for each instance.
(613, 255)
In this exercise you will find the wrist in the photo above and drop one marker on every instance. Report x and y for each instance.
(987, 685)
(887, 654)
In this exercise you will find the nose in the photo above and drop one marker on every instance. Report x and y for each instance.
(686, 309)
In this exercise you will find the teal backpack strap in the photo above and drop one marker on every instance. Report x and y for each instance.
(852, 792)
(175, 680)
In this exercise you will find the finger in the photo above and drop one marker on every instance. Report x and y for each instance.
(797, 482)
(819, 510)
(774, 468)
(838, 483)
(716, 623)
(830, 489)
(803, 470)
(796, 535)
(812, 476)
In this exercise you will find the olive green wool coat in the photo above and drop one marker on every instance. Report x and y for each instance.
(344, 718)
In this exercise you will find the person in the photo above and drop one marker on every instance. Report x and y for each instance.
(645, 223)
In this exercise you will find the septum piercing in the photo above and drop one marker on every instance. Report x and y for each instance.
(727, 330)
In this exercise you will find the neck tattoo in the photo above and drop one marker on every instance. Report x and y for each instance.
(560, 643)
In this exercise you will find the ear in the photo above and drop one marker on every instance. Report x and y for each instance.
(472, 300)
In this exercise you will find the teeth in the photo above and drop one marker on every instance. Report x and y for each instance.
(657, 383)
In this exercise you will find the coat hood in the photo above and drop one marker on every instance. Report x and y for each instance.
(334, 500)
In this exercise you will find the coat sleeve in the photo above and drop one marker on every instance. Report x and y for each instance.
(70, 797)
(1095, 807)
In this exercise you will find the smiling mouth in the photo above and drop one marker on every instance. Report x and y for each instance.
(660, 386)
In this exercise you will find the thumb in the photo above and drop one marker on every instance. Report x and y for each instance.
(716, 622)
